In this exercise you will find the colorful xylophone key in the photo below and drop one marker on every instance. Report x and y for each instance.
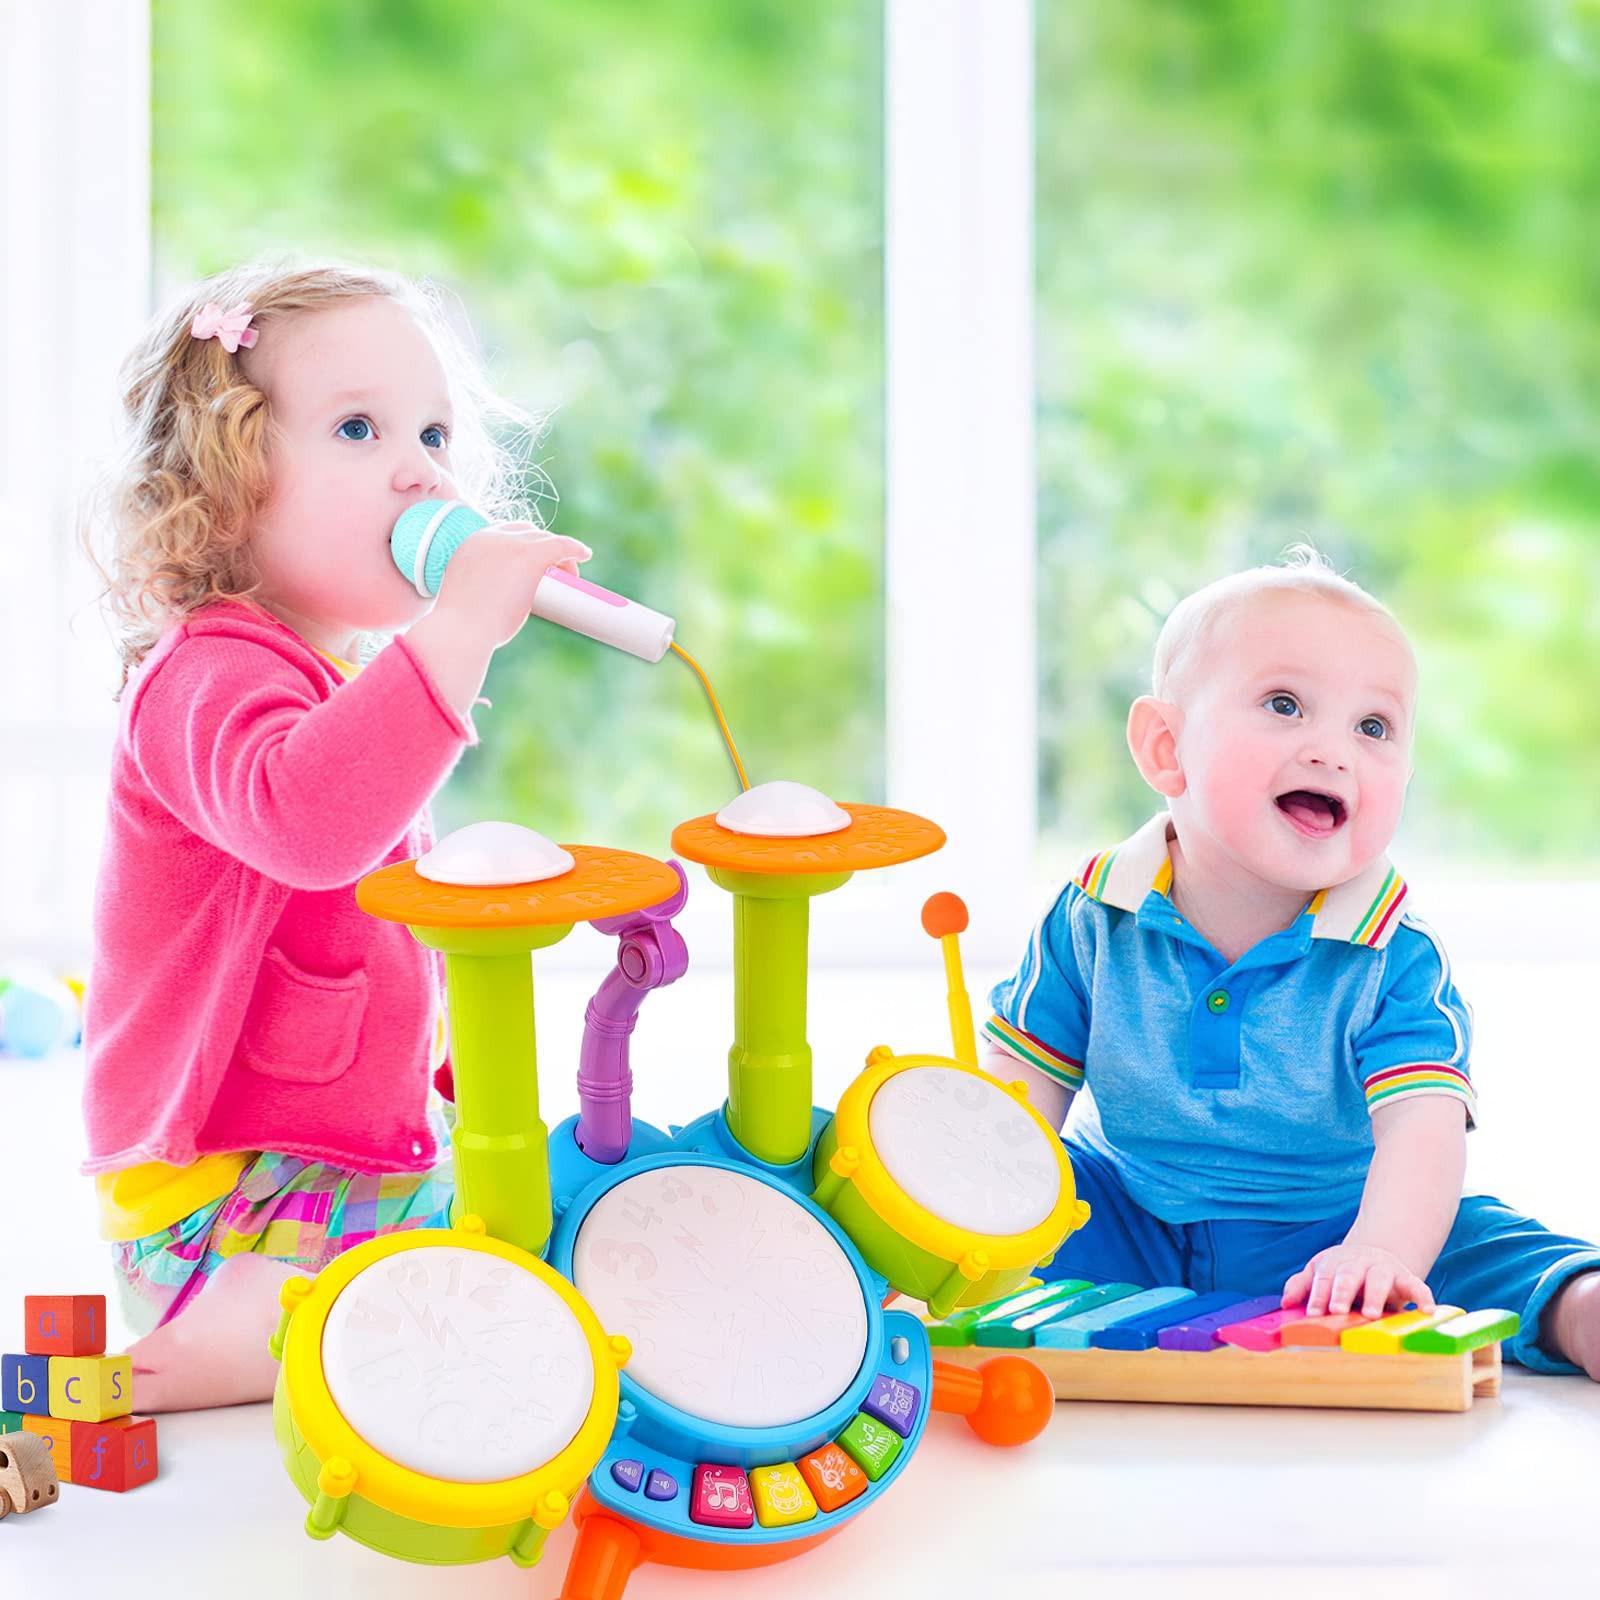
(1120, 1342)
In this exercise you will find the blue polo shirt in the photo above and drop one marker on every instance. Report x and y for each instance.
(1243, 1089)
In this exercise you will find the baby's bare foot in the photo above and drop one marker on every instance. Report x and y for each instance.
(214, 1352)
(1572, 1321)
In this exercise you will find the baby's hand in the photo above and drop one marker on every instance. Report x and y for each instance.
(488, 586)
(1336, 1279)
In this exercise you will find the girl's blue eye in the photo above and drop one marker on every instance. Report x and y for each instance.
(1283, 705)
(361, 423)
(1373, 727)
(435, 437)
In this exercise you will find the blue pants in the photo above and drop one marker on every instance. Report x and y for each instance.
(1493, 1257)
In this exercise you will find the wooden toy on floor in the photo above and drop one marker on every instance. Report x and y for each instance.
(28, 1480)
(76, 1400)
(1119, 1342)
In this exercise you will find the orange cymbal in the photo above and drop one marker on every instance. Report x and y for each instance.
(602, 883)
(878, 836)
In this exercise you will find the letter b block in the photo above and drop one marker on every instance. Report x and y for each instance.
(65, 1324)
(91, 1388)
(25, 1385)
(118, 1455)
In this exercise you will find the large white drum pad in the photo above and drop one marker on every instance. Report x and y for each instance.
(741, 1306)
(964, 1150)
(457, 1364)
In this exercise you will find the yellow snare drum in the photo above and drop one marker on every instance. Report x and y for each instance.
(948, 1182)
(442, 1395)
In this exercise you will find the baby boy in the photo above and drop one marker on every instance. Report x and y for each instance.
(1278, 1062)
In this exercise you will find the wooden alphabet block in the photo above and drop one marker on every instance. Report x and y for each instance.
(91, 1388)
(64, 1324)
(57, 1436)
(25, 1384)
(10, 1422)
(117, 1455)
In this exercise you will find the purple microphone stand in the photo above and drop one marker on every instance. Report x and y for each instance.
(650, 954)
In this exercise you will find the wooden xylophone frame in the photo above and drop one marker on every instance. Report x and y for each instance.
(1286, 1377)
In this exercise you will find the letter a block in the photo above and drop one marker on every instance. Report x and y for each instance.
(64, 1324)
(91, 1388)
(25, 1384)
(118, 1455)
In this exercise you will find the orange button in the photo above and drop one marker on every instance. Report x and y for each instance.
(834, 1478)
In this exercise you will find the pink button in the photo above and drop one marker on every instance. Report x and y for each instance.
(721, 1498)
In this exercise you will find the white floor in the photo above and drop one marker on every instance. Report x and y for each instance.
(1131, 1500)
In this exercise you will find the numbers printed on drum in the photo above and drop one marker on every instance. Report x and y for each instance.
(610, 1255)
(673, 1189)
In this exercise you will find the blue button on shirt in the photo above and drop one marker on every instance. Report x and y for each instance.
(1242, 1090)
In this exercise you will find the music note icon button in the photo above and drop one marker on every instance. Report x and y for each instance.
(721, 1497)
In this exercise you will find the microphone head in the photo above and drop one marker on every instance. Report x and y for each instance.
(426, 535)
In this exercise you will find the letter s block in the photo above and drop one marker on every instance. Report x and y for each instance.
(91, 1388)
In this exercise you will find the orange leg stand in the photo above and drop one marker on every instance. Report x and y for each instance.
(603, 1559)
(1007, 1400)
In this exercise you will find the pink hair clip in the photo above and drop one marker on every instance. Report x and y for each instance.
(229, 328)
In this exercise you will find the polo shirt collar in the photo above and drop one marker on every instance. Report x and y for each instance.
(1364, 911)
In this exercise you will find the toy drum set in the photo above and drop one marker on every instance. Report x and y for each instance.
(682, 1338)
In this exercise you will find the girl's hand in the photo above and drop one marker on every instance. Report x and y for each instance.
(488, 587)
(1349, 1277)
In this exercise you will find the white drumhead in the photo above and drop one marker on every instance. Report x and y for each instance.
(457, 1364)
(964, 1150)
(741, 1306)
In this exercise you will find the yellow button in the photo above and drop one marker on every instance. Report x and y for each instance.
(1218, 1001)
(781, 1495)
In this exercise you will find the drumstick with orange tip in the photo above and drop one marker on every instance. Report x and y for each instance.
(1006, 1400)
(944, 917)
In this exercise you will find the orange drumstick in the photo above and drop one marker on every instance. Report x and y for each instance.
(1006, 1400)
(944, 917)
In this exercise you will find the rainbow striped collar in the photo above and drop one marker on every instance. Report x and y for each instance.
(1364, 911)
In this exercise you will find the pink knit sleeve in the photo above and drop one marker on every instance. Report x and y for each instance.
(235, 740)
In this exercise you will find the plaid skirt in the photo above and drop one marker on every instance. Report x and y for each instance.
(304, 1212)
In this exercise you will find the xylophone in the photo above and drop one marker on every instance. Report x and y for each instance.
(1116, 1341)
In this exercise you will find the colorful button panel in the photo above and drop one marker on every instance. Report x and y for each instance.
(781, 1495)
(721, 1498)
(872, 1445)
(833, 1477)
(894, 1403)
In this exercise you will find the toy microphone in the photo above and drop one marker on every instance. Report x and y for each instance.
(430, 532)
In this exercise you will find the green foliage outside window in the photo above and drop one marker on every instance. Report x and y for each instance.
(1327, 270)
(665, 222)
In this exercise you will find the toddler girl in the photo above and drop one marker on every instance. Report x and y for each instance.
(258, 1049)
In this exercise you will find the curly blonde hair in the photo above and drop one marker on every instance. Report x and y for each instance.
(170, 524)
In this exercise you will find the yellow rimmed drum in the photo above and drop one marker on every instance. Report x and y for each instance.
(946, 1180)
(442, 1395)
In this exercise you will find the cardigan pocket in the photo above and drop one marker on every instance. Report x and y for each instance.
(302, 1027)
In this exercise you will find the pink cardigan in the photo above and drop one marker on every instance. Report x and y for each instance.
(238, 998)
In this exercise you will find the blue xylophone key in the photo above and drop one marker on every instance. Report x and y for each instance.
(1138, 1331)
(1180, 1313)
(1075, 1332)
(1198, 1329)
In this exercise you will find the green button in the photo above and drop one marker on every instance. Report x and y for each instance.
(1218, 1001)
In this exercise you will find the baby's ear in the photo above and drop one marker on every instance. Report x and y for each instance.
(1153, 738)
